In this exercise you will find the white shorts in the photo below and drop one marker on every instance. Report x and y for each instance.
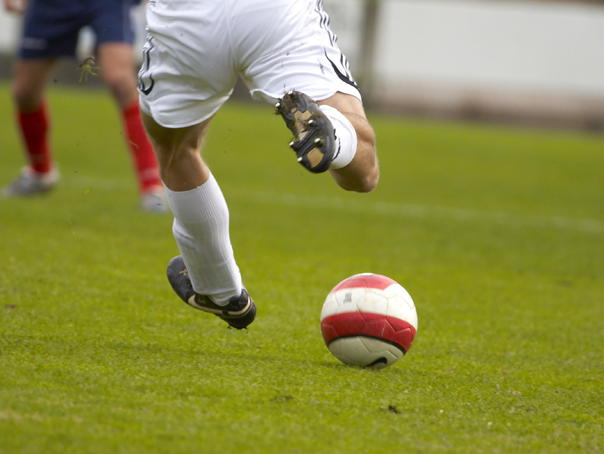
(196, 49)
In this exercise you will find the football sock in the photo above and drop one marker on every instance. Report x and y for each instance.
(201, 230)
(34, 129)
(346, 137)
(141, 151)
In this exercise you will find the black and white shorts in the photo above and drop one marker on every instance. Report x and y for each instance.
(196, 49)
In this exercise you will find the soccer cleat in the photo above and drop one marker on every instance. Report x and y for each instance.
(239, 312)
(154, 201)
(314, 140)
(30, 183)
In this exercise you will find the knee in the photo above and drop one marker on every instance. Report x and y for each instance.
(364, 183)
(362, 175)
(26, 99)
(122, 85)
(369, 183)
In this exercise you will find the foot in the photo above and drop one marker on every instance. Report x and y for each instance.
(239, 312)
(154, 201)
(30, 183)
(314, 141)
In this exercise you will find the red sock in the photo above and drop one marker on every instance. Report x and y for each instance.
(34, 129)
(147, 170)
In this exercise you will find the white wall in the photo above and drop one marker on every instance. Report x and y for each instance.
(476, 58)
(545, 46)
(9, 30)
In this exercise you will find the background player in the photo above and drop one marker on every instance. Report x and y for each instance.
(50, 31)
(194, 53)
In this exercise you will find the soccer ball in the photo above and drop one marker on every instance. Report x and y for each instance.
(368, 320)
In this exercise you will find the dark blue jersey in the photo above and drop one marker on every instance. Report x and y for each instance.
(51, 27)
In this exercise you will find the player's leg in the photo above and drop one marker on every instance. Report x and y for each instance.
(116, 62)
(50, 31)
(321, 104)
(178, 97)
(179, 154)
(206, 275)
(332, 134)
(30, 78)
(361, 174)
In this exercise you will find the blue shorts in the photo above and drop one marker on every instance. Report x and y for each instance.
(51, 27)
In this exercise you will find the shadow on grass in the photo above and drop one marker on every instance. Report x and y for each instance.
(227, 355)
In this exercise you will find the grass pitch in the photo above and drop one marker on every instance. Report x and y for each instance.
(498, 235)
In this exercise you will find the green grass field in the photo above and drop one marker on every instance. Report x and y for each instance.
(497, 233)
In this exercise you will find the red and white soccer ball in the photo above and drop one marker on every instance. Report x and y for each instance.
(368, 320)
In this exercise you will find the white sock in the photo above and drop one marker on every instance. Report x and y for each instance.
(346, 137)
(201, 230)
